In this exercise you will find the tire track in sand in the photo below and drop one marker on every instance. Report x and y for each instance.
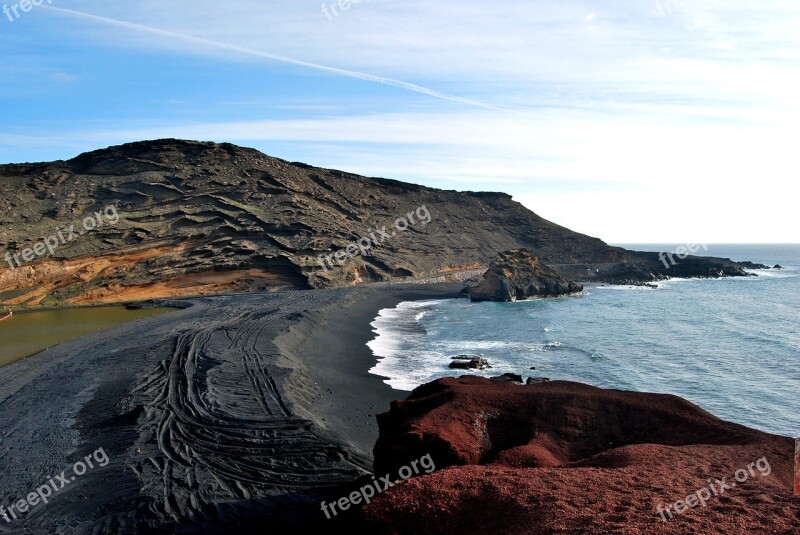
(224, 434)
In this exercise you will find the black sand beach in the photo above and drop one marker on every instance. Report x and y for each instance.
(234, 407)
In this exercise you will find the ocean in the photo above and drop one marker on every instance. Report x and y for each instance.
(731, 346)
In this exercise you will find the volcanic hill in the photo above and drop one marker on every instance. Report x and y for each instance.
(200, 218)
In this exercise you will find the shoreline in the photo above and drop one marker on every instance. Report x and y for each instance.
(230, 408)
(25, 346)
(334, 345)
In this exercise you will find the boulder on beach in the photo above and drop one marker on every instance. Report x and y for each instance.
(520, 274)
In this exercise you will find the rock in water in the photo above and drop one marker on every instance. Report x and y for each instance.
(507, 378)
(469, 362)
(519, 274)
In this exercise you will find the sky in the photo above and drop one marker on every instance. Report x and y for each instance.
(650, 121)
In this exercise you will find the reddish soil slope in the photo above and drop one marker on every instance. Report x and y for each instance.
(569, 458)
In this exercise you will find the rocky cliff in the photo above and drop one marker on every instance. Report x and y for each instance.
(199, 218)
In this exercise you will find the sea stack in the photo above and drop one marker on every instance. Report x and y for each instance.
(519, 274)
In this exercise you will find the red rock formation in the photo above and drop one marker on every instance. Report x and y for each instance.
(797, 467)
(563, 457)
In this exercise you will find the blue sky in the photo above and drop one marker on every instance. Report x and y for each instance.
(633, 121)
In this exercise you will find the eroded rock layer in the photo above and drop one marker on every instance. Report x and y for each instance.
(202, 218)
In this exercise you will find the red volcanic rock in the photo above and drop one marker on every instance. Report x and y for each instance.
(797, 467)
(564, 457)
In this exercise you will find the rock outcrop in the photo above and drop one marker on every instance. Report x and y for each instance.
(518, 275)
(560, 457)
(469, 362)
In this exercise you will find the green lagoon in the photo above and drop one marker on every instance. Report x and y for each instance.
(27, 333)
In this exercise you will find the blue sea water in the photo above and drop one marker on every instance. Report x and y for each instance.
(732, 346)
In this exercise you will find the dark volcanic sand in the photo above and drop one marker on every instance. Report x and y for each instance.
(235, 412)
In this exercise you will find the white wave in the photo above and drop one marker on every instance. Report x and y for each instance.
(621, 288)
(785, 273)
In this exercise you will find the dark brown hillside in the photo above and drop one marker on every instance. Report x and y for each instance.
(198, 218)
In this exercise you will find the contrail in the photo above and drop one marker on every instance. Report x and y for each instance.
(266, 55)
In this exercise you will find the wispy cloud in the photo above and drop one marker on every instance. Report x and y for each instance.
(266, 55)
